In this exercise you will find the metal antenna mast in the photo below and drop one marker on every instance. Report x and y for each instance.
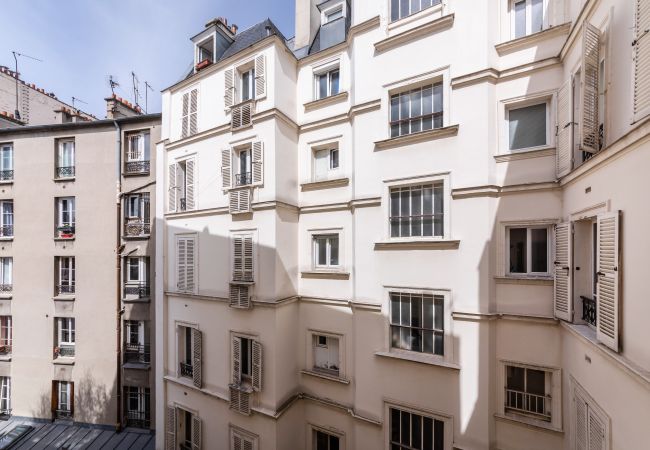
(75, 99)
(113, 84)
(16, 55)
(136, 93)
(147, 88)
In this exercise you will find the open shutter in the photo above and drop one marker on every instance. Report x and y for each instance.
(196, 432)
(71, 386)
(260, 77)
(189, 264)
(197, 350)
(580, 423)
(229, 89)
(258, 162)
(194, 111)
(238, 258)
(54, 398)
(181, 259)
(185, 125)
(236, 360)
(589, 89)
(248, 257)
(172, 190)
(642, 60)
(226, 171)
(146, 210)
(608, 280)
(170, 429)
(257, 366)
(563, 301)
(189, 184)
(564, 157)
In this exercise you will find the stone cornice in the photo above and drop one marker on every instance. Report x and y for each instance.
(322, 102)
(532, 39)
(325, 184)
(528, 154)
(419, 244)
(422, 136)
(499, 191)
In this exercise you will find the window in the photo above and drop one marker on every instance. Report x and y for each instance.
(185, 263)
(189, 116)
(242, 440)
(137, 215)
(242, 257)
(326, 354)
(205, 52)
(410, 431)
(417, 211)
(327, 83)
(325, 441)
(185, 346)
(7, 218)
(529, 249)
(187, 432)
(181, 186)
(416, 110)
(6, 162)
(326, 250)
(527, 17)
(326, 163)
(136, 269)
(591, 424)
(417, 322)
(138, 153)
(66, 275)
(248, 85)
(64, 403)
(246, 362)
(528, 391)
(65, 210)
(400, 9)
(244, 176)
(65, 167)
(136, 342)
(527, 126)
(5, 396)
(138, 414)
(65, 333)
(134, 332)
(6, 274)
(6, 335)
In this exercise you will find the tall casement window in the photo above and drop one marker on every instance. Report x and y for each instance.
(65, 337)
(326, 251)
(404, 8)
(527, 126)
(244, 169)
(327, 83)
(138, 153)
(190, 353)
(246, 369)
(242, 440)
(6, 219)
(326, 354)
(6, 335)
(6, 162)
(528, 250)
(323, 440)
(62, 399)
(138, 413)
(65, 217)
(6, 274)
(185, 263)
(416, 110)
(417, 322)
(182, 429)
(527, 17)
(247, 80)
(411, 431)
(65, 162)
(5, 396)
(137, 215)
(417, 211)
(528, 391)
(181, 186)
(136, 278)
(66, 275)
(326, 163)
(190, 113)
(136, 342)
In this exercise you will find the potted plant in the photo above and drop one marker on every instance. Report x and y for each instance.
(66, 231)
(202, 64)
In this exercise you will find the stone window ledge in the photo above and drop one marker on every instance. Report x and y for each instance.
(527, 422)
(428, 244)
(321, 102)
(419, 358)
(536, 281)
(322, 274)
(421, 136)
(313, 373)
(434, 26)
(532, 39)
(324, 184)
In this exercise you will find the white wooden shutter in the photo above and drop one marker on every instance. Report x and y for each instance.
(185, 124)
(563, 298)
(257, 366)
(170, 432)
(189, 184)
(229, 88)
(226, 171)
(181, 261)
(197, 351)
(247, 258)
(236, 442)
(196, 432)
(260, 77)
(172, 190)
(189, 264)
(580, 423)
(642, 60)
(240, 201)
(564, 156)
(258, 162)
(589, 89)
(596, 435)
(238, 258)
(607, 290)
(236, 360)
(194, 111)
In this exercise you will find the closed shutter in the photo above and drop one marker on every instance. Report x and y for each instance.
(236, 360)
(170, 429)
(642, 60)
(257, 366)
(239, 296)
(235, 398)
(172, 190)
(580, 423)
(589, 90)
(197, 350)
(237, 442)
(248, 445)
(194, 111)
(258, 162)
(608, 280)
(189, 264)
(260, 77)
(563, 298)
(564, 157)
(181, 261)
(185, 124)
(596, 432)
(238, 258)
(226, 171)
(239, 201)
(196, 431)
(248, 258)
(189, 184)
(229, 88)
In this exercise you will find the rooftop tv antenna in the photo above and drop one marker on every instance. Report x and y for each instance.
(147, 88)
(136, 89)
(113, 84)
(16, 55)
(74, 100)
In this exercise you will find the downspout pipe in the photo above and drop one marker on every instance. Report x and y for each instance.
(118, 273)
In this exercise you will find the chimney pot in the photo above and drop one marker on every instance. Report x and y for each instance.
(234, 28)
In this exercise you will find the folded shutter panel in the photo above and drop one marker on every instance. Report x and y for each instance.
(189, 184)
(185, 118)
(596, 432)
(642, 60)
(235, 399)
(236, 442)
(196, 432)
(607, 295)
(563, 290)
(181, 257)
(248, 257)
(229, 90)
(238, 258)
(190, 264)
(564, 157)
(194, 111)
(197, 350)
(581, 423)
(589, 89)
(172, 188)
(258, 162)
(225, 168)
(248, 445)
(260, 77)
(257, 366)
(236, 360)
(170, 432)
(244, 201)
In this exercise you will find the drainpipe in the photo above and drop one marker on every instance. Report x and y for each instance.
(118, 273)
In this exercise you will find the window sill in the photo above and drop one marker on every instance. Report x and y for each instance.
(6, 238)
(521, 419)
(137, 366)
(434, 26)
(135, 174)
(537, 281)
(5, 358)
(419, 358)
(326, 275)
(515, 155)
(60, 239)
(6, 296)
(243, 387)
(413, 17)
(60, 180)
(321, 102)
(64, 298)
(532, 39)
(324, 376)
(64, 361)
(137, 300)
(6, 182)
(429, 244)
(324, 184)
(141, 237)
(420, 136)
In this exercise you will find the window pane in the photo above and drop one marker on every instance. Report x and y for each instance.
(405, 213)
(427, 211)
(515, 378)
(245, 91)
(427, 3)
(416, 311)
(539, 249)
(518, 250)
(427, 341)
(438, 226)
(394, 308)
(439, 312)
(334, 81)
(406, 311)
(438, 344)
(520, 19)
(415, 6)
(334, 251)
(334, 443)
(527, 126)
(322, 86)
(394, 425)
(394, 213)
(404, 100)
(437, 104)
(438, 435)
(334, 159)
(406, 426)
(535, 382)
(427, 442)
(321, 164)
(394, 10)
(427, 107)
(404, 8)
(416, 211)
(394, 115)
(537, 16)
(416, 110)
(416, 340)
(321, 440)
(416, 431)
(321, 248)
(427, 308)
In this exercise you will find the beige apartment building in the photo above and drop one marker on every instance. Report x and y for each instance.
(76, 252)
(417, 224)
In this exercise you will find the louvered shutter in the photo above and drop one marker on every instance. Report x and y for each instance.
(238, 258)
(189, 264)
(226, 171)
(172, 188)
(239, 297)
(194, 111)
(236, 442)
(258, 162)
(189, 184)
(257, 366)
(236, 360)
(235, 399)
(563, 290)
(185, 124)
(146, 211)
(596, 432)
(244, 201)
(564, 156)
(642, 60)
(197, 351)
(248, 445)
(260, 77)
(248, 258)
(181, 261)
(589, 89)
(71, 399)
(196, 432)
(580, 423)
(229, 89)
(607, 290)
(170, 432)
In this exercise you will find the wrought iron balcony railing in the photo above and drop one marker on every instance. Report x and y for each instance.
(6, 231)
(64, 350)
(187, 370)
(138, 419)
(63, 414)
(589, 310)
(6, 175)
(183, 204)
(65, 289)
(134, 227)
(137, 167)
(139, 290)
(524, 402)
(136, 353)
(65, 172)
(243, 179)
(6, 287)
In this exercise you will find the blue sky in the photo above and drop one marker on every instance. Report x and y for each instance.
(81, 42)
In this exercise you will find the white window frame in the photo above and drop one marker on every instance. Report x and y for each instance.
(310, 248)
(447, 419)
(248, 68)
(236, 157)
(200, 44)
(181, 328)
(6, 327)
(503, 246)
(506, 105)
(326, 73)
(70, 325)
(69, 203)
(64, 388)
(331, 172)
(244, 436)
(328, 250)
(139, 325)
(325, 13)
(313, 429)
(529, 17)
(7, 148)
(436, 6)
(142, 152)
(5, 393)
(6, 276)
(61, 152)
(313, 336)
(245, 378)
(142, 269)
(7, 217)
(529, 256)
(72, 271)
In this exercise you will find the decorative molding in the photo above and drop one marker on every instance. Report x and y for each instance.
(324, 184)
(321, 102)
(492, 75)
(476, 316)
(432, 244)
(529, 281)
(422, 136)
(526, 154)
(434, 26)
(343, 206)
(532, 39)
(500, 191)
(322, 275)
(418, 358)
(529, 423)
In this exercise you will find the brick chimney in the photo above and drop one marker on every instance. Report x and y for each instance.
(117, 107)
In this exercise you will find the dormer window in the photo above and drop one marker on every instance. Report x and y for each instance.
(333, 14)
(204, 53)
(248, 85)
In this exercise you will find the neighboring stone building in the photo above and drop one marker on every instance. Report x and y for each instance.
(415, 225)
(67, 302)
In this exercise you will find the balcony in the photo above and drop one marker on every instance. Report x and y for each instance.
(65, 289)
(136, 353)
(65, 172)
(243, 179)
(530, 404)
(6, 231)
(242, 115)
(65, 231)
(137, 167)
(589, 310)
(63, 414)
(138, 419)
(6, 175)
(64, 351)
(134, 291)
(187, 370)
(136, 227)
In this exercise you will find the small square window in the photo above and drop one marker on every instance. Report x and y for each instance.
(325, 441)
(528, 250)
(417, 211)
(326, 354)
(326, 250)
(527, 17)
(327, 83)
(333, 14)
(528, 391)
(416, 110)
(527, 126)
(326, 161)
